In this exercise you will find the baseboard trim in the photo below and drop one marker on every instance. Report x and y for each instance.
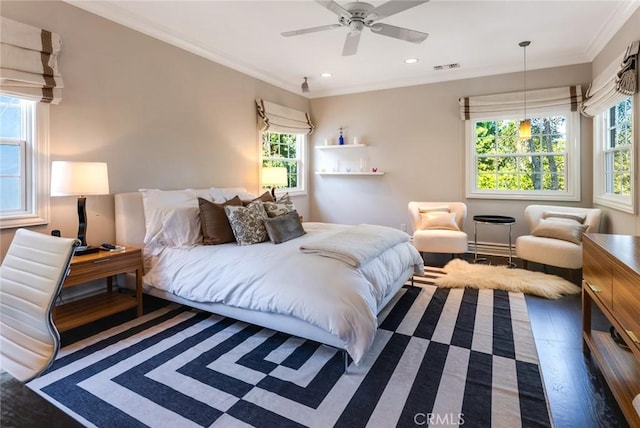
(492, 249)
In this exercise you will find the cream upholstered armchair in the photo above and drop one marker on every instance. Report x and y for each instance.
(555, 237)
(31, 277)
(437, 227)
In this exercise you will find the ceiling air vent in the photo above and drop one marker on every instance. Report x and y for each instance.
(446, 66)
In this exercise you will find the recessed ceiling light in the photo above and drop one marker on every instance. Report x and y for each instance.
(326, 75)
(411, 60)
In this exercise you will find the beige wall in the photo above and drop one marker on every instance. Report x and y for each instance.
(416, 136)
(617, 221)
(159, 116)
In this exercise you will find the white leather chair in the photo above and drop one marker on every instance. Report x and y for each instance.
(31, 277)
(439, 240)
(551, 251)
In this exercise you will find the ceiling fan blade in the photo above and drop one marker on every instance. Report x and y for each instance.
(335, 8)
(412, 36)
(310, 30)
(392, 7)
(351, 43)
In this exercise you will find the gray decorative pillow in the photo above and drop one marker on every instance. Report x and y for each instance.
(567, 230)
(284, 227)
(247, 223)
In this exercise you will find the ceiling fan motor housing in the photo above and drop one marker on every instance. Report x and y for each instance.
(359, 12)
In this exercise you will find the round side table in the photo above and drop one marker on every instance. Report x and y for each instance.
(491, 219)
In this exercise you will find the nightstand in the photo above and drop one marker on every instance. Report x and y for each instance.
(90, 267)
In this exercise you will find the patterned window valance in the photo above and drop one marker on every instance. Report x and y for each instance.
(616, 82)
(29, 62)
(277, 118)
(512, 103)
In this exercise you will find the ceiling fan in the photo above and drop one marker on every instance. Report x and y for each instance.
(357, 15)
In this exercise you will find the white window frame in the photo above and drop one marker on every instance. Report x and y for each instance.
(572, 191)
(301, 160)
(36, 172)
(601, 196)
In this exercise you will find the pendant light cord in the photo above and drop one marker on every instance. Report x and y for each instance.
(525, 82)
(524, 45)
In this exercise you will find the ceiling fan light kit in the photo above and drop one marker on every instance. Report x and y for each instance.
(305, 86)
(358, 15)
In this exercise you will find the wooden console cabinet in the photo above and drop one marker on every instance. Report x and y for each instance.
(611, 273)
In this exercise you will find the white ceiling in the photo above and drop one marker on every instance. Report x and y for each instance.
(482, 36)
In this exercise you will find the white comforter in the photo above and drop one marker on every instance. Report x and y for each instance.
(355, 245)
(323, 291)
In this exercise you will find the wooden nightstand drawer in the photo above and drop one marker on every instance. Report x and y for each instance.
(102, 265)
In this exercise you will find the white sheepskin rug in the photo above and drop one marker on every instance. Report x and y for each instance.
(460, 274)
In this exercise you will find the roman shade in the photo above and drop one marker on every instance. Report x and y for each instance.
(29, 62)
(276, 118)
(512, 103)
(616, 82)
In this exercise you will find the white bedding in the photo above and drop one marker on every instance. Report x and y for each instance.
(322, 291)
(355, 245)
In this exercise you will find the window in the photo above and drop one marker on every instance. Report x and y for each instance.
(613, 157)
(24, 162)
(545, 167)
(286, 150)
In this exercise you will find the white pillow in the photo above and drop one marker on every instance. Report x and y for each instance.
(438, 220)
(180, 227)
(223, 194)
(203, 193)
(157, 203)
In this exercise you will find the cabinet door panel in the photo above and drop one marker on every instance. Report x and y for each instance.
(626, 300)
(597, 271)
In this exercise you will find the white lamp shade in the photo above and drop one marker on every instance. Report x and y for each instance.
(79, 178)
(274, 176)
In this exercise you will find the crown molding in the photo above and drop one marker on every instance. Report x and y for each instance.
(610, 27)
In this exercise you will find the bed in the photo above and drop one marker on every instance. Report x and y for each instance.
(324, 299)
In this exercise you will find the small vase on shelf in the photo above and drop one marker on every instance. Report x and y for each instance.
(341, 138)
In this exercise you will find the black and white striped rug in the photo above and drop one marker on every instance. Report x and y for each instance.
(441, 357)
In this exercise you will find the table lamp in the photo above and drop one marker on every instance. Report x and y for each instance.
(80, 179)
(274, 176)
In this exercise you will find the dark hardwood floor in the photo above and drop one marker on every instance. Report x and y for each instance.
(577, 393)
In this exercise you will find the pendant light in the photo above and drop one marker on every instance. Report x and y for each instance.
(525, 124)
(305, 86)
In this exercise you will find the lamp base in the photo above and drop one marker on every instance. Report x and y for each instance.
(86, 249)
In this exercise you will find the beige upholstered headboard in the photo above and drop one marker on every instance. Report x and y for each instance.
(130, 226)
(129, 210)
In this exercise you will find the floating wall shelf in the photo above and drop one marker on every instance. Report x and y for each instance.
(343, 146)
(349, 173)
